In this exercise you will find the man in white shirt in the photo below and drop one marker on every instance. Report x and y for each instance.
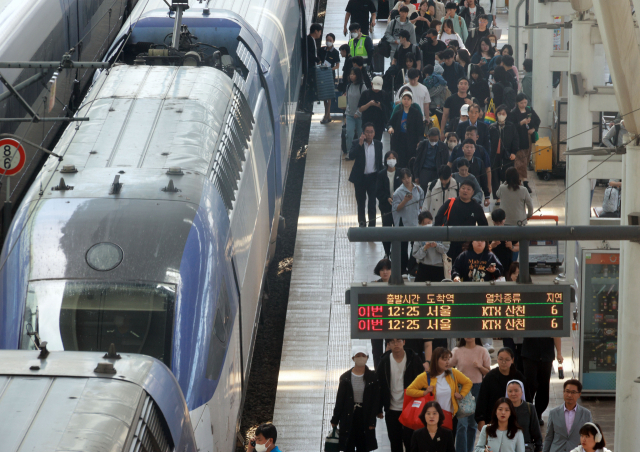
(367, 153)
(397, 370)
(420, 93)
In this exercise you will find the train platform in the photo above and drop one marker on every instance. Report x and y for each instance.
(317, 343)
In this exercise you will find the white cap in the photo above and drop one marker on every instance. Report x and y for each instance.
(359, 349)
(376, 83)
(464, 111)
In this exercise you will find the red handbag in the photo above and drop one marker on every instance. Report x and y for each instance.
(412, 407)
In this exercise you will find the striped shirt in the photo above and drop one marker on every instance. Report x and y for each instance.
(357, 383)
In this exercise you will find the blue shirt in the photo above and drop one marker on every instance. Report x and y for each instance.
(403, 122)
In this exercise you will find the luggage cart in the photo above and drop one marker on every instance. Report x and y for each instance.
(537, 261)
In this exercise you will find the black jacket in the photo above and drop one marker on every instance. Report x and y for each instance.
(483, 133)
(466, 15)
(414, 134)
(357, 153)
(480, 90)
(442, 156)
(312, 56)
(412, 369)
(382, 189)
(443, 441)
(462, 214)
(494, 386)
(508, 140)
(523, 131)
(343, 409)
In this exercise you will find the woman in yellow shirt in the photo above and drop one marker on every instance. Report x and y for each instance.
(444, 382)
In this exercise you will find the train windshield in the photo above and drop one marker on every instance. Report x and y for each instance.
(89, 316)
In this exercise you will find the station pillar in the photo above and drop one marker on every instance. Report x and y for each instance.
(542, 49)
(628, 366)
(517, 17)
(579, 134)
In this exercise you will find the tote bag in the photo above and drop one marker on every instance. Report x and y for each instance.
(490, 115)
(412, 407)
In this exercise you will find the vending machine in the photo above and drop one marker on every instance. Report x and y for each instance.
(595, 331)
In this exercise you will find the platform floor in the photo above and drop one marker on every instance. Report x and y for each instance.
(317, 340)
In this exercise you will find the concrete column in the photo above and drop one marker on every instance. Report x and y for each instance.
(578, 198)
(542, 44)
(513, 8)
(628, 365)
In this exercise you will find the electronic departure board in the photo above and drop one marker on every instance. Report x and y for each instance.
(415, 310)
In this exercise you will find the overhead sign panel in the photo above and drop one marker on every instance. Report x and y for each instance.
(416, 310)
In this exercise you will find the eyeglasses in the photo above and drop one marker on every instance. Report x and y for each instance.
(571, 392)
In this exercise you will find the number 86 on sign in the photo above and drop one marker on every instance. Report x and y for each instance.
(13, 157)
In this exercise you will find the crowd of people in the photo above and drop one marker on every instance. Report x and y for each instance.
(506, 418)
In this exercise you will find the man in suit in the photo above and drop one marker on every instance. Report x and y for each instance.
(388, 182)
(367, 154)
(315, 33)
(431, 155)
(484, 139)
(563, 430)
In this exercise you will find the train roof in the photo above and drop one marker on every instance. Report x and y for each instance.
(62, 404)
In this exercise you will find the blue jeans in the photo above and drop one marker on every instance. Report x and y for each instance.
(467, 427)
(354, 125)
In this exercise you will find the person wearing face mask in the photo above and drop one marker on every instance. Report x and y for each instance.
(392, 33)
(504, 147)
(428, 255)
(431, 155)
(359, 44)
(264, 439)
(388, 182)
(357, 404)
(452, 143)
(330, 57)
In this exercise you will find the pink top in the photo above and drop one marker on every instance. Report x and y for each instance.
(462, 358)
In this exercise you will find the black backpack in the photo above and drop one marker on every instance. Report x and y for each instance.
(509, 97)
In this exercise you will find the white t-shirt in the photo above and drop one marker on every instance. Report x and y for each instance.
(397, 382)
(448, 37)
(472, 13)
(420, 95)
(370, 158)
(443, 393)
(391, 175)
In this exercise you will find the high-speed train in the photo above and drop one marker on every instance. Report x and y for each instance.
(154, 232)
(44, 30)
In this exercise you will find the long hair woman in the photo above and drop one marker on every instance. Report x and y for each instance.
(527, 122)
(503, 433)
(515, 199)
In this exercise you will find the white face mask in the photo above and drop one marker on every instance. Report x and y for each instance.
(433, 143)
(329, 44)
(452, 144)
(354, 34)
(261, 447)
(360, 361)
(391, 163)
(502, 118)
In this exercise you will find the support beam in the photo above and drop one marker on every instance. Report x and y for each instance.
(621, 49)
(542, 51)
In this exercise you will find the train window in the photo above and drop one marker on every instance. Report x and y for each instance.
(89, 316)
(220, 337)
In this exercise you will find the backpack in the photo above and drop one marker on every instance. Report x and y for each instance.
(611, 200)
(509, 98)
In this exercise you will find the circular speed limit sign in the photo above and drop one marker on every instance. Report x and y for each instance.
(12, 157)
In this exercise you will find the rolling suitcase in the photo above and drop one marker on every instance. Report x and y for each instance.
(325, 87)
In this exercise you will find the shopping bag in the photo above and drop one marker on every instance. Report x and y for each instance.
(342, 102)
(490, 115)
(332, 442)
(448, 420)
(325, 87)
(412, 407)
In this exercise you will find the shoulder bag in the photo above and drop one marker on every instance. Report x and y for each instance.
(412, 407)
(384, 46)
(529, 447)
(466, 406)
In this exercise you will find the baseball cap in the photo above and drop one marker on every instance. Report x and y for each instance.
(464, 111)
(376, 83)
(358, 349)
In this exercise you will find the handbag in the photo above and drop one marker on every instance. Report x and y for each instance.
(384, 46)
(466, 406)
(497, 32)
(342, 102)
(332, 442)
(490, 115)
(412, 407)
